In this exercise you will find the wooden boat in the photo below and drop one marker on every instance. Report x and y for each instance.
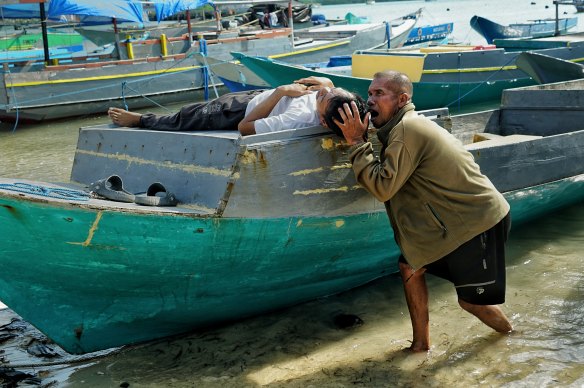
(454, 76)
(427, 95)
(90, 84)
(428, 34)
(264, 221)
(545, 69)
(534, 29)
(133, 74)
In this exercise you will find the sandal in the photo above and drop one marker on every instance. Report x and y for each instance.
(112, 188)
(156, 195)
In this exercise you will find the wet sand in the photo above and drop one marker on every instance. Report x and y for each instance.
(302, 347)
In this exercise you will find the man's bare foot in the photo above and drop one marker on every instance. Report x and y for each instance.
(418, 347)
(123, 118)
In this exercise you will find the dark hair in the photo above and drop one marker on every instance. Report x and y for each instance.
(336, 102)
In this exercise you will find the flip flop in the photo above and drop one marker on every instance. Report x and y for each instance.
(112, 188)
(156, 195)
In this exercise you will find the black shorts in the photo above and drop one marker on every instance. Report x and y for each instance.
(477, 267)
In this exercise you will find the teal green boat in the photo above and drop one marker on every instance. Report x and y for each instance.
(458, 96)
(34, 40)
(263, 222)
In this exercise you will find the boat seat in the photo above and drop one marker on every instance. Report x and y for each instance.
(300, 42)
(481, 140)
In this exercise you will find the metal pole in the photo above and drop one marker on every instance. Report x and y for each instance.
(291, 22)
(44, 32)
(557, 19)
(117, 38)
(189, 27)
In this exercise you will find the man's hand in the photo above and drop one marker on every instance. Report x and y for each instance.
(315, 83)
(353, 128)
(292, 90)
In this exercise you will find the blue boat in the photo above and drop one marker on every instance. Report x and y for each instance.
(264, 221)
(429, 34)
(533, 29)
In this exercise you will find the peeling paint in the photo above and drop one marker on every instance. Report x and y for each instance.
(327, 144)
(342, 166)
(343, 189)
(249, 157)
(299, 223)
(306, 172)
(339, 223)
(189, 168)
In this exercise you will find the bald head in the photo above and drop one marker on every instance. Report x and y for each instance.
(396, 81)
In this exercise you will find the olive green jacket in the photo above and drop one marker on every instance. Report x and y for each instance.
(434, 192)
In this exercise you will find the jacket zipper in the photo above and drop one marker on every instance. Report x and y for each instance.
(437, 218)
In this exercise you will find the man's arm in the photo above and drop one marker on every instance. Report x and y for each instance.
(315, 83)
(247, 125)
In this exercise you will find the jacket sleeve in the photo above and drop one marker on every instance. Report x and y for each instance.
(382, 179)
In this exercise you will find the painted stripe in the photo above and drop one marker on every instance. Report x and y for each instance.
(296, 52)
(476, 284)
(102, 78)
(190, 168)
(482, 69)
(469, 70)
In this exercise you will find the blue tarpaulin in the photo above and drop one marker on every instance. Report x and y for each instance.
(20, 11)
(166, 8)
(122, 10)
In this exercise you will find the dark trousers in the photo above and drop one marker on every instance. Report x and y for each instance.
(222, 113)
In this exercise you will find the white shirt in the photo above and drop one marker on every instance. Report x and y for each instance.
(289, 113)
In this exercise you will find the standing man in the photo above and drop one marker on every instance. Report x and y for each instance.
(448, 218)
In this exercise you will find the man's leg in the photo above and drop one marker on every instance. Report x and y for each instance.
(222, 113)
(490, 315)
(416, 293)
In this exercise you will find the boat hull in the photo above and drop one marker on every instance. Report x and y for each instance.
(536, 29)
(427, 95)
(63, 91)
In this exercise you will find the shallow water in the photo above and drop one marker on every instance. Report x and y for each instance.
(301, 346)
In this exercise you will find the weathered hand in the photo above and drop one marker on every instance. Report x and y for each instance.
(293, 90)
(315, 83)
(353, 128)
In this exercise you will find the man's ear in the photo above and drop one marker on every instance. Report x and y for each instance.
(403, 99)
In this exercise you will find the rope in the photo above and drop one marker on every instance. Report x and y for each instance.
(481, 84)
(16, 120)
(50, 192)
(143, 96)
(124, 83)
